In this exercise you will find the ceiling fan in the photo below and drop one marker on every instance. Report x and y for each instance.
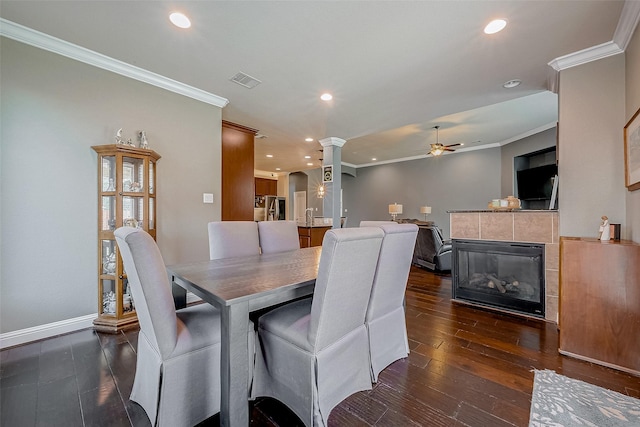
(437, 149)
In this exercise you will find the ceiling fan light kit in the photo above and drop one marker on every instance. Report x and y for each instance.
(437, 149)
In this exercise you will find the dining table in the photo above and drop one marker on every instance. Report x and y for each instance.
(237, 287)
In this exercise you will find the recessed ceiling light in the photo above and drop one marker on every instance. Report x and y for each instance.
(512, 83)
(277, 169)
(269, 155)
(495, 26)
(179, 20)
(309, 164)
(309, 139)
(374, 159)
(307, 157)
(326, 97)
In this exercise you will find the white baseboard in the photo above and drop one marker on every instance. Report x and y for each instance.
(23, 336)
(48, 330)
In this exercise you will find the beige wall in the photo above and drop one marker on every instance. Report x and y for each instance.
(591, 172)
(53, 110)
(632, 87)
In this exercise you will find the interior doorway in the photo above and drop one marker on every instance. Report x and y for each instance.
(299, 205)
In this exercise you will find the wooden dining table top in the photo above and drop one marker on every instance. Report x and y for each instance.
(231, 280)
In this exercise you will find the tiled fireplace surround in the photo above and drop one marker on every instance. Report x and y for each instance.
(517, 226)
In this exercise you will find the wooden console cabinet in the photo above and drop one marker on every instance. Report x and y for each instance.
(600, 302)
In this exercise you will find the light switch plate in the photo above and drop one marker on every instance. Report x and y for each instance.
(207, 197)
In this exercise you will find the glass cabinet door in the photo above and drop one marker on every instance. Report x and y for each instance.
(108, 213)
(108, 297)
(108, 256)
(127, 299)
(133, 211)
(132, 175)
(152, 177)
(108, 178)
(152, 213)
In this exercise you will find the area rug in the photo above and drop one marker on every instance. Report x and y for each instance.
(561, 401)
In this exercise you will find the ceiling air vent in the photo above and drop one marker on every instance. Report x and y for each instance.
(245, 80)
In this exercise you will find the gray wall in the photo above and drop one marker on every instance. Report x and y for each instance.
(590, 154)
(466, 180)
(53, 110)
(314, 181)
(526, 145)
(632, 96)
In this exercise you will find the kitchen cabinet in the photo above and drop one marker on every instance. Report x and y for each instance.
(266, 187)
(311, 235)
(237, 200)
(126, 196)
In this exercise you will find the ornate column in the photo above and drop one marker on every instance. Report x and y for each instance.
(332, 177)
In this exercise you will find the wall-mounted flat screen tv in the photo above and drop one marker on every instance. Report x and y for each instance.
(536, 183)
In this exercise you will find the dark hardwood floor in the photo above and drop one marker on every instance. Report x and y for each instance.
(467, 367)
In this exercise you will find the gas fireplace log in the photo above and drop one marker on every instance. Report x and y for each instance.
(478, 280)
(512, 285)
(497, 282)
(512, 279)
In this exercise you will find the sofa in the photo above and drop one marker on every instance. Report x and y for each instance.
(432, 251)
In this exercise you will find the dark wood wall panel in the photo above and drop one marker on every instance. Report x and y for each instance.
(237, 172)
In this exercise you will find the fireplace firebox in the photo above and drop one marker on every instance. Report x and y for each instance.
(504, 275)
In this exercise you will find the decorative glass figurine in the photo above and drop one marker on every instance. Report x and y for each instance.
(142, 136)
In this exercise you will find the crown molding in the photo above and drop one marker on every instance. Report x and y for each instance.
(44, 41)
(629, 18)
(529, 133)
(331, 141)
(584, 56)
(461, 150)
(627, 24)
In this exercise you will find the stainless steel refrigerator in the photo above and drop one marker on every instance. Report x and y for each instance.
(275, 208)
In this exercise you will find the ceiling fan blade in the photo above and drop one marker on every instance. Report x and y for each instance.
(448, 149)
(453, 145)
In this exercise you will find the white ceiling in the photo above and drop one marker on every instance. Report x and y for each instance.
(395, 68)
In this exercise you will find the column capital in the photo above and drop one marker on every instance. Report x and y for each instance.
(332, 141)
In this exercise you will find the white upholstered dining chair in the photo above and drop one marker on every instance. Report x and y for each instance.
(228, 239)
(278, 236)
(385, 319)
(177, 379)
(312, 354)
